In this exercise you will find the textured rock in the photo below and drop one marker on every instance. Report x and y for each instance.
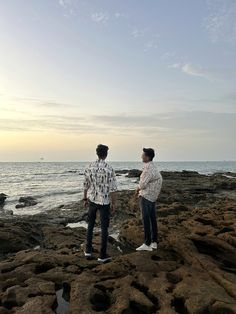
(18, 235)
(134, 173)
(2, 199)
(193, 271)
(26, 201)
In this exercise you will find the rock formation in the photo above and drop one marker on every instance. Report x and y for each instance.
(26, 201)
(43, 269)
(2, 199)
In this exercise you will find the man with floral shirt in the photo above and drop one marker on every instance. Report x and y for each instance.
(148, 190)
(99, 187)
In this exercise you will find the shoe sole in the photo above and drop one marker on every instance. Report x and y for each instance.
(104, 260)
(87, 254)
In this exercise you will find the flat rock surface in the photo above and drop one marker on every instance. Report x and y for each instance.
(43, 270)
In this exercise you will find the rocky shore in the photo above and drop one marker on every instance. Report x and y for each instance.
(43, 270)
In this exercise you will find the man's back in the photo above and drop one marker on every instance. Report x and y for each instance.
(100, 180)
(150, 182)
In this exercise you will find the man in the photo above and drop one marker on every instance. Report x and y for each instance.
(99, 187)
(148, 190)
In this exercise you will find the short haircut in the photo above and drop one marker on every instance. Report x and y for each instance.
(102, 150)
(149, 152)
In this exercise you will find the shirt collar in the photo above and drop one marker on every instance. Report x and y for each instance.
(148, 163)
(100, 160)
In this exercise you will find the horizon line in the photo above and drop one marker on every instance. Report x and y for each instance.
(83, 161)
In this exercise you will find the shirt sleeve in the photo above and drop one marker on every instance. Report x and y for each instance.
(160, 180)
(145, 178)
(86, 179)
(113, 182)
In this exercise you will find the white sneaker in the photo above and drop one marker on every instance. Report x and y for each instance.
(154, 245)
(104, 260)
(86, 254)
(144, 247)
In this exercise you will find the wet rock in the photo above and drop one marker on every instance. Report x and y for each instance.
(38, 305)
(124, 171)
(192, 271)
(26, 201)
(9, 212)
(131, 233)
(17, 235)
(2, 199)
(134, 173)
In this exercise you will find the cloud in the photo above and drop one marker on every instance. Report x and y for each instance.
(181, 122)
(119, 15)
(168, 55)
(64, 3)
(50, 123)
(221, 20)
(167, 124)
(87, 11)
(70, 7)
(190, 69)
(223, 103)
(100, 17)
(136, 33)
(103, 17)
(210, 73)
(206, 73)
(174, 65)
(55, 105)
(152, 44)
(37, 102)
(193, 70)
(146, 37)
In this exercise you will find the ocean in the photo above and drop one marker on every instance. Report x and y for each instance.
(56, 183)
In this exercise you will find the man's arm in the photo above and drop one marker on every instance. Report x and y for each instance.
(113, 198)
(160, 180)
(86, 186)
(113, 189)
(145, 178)
(85, 194)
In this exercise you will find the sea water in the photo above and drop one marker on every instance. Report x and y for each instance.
(56, 183)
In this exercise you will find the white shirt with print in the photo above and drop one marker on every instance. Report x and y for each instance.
(150, 182)
(100, 180)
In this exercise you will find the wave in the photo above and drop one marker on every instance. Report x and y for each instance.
(52, 193)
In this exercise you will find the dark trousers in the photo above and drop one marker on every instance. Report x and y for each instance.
(104, 218)
(148, 210)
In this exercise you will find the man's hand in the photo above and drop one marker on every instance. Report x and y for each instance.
(137, 192)
(85, 200)
(113, 208)
(113, 202)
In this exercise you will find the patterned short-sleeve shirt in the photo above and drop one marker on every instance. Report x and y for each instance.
(100, 180)
(150, 182)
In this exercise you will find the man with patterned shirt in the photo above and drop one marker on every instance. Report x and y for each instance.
(148, 190)
(99, 187)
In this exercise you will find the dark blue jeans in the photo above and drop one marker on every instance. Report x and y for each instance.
(105, 219)
(148, 210)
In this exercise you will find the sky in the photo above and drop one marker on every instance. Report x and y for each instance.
(126, 73)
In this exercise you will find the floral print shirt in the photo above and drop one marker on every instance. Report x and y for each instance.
(150, 182)
(100, 180)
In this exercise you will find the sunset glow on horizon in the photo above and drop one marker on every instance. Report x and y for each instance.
(158, 74)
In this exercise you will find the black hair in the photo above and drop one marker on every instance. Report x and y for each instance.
(102, 151)
(149, 152)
